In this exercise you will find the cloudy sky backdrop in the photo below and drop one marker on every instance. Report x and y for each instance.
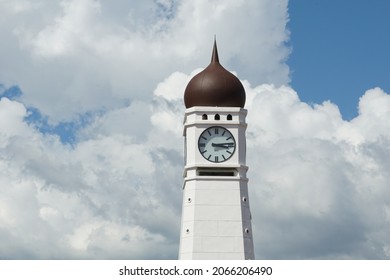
(91, 147)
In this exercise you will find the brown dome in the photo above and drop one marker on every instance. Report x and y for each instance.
(214, 86)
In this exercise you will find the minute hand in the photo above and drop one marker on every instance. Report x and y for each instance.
(223, 145)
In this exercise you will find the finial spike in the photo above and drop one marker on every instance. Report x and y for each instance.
(214, 56)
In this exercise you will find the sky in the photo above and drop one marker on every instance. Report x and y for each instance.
(340, 50)
(90, 91)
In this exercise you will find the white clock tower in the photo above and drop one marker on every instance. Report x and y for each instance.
(216, 219)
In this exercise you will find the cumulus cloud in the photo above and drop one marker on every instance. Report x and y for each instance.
(316, 192)
(101, 56)
(318, 183)
(109, 197)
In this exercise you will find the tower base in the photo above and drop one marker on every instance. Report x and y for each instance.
(216, 220)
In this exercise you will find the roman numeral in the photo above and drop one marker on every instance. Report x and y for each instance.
(209, 157)
(216, 159)
(228, 152)
(223, 157)
(204, 138)
(208, 131)
(229, 138)
(216, 131)
(223, 132)
(202, 144)
(204, 152)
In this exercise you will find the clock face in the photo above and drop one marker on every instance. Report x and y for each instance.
(216, 144)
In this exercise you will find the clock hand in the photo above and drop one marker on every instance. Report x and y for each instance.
(223, 145)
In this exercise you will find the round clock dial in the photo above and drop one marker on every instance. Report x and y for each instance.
(216, 144)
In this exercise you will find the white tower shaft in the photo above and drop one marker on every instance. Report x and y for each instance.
(216, 219)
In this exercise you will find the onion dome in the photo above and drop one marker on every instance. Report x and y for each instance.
(214, 86)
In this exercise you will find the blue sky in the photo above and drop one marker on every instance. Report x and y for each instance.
(340, 49)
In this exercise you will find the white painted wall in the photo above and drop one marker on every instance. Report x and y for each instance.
(216, 219)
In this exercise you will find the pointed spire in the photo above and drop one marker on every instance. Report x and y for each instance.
(214, 56)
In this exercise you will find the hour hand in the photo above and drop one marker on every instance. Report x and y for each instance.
(222, 145)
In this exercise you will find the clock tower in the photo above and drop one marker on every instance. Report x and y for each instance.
(216, 219)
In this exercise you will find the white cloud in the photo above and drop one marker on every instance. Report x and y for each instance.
(318, 190)
(68, 30)
(99, 199)
(11, 116)
(318, 183)
(315, 191)
(100, 56)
